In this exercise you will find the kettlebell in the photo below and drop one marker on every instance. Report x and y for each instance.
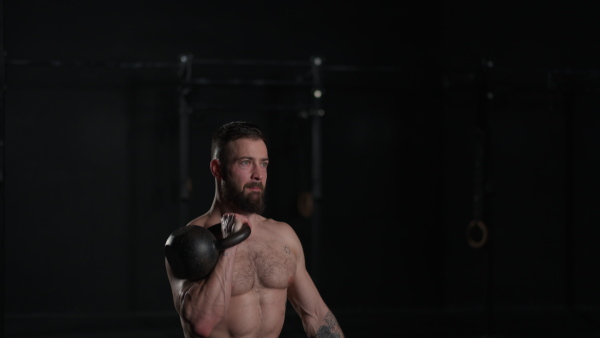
(192, 251)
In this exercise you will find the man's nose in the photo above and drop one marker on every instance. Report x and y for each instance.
(257, 173)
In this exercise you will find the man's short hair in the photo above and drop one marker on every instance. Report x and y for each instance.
(232, 131)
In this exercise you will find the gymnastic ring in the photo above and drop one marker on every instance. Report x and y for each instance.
(484, 234)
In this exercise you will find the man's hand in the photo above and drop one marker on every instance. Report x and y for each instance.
(231, 223)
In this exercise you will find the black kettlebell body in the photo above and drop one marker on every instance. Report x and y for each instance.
(192, 251)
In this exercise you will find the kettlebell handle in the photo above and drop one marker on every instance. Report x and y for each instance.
(234, 238)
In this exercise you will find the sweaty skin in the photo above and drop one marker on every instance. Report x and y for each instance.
(245, 295)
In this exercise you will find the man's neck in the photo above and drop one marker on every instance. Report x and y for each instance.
(223, 207)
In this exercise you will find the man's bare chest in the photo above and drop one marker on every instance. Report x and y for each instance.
(263, 264)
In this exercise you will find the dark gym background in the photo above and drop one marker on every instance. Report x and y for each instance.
(432, 115)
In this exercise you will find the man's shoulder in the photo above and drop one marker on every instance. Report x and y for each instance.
(200, 221)
(272, 222)
(282, 231)
(275, 226)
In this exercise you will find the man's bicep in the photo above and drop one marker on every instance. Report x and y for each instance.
(304, 296)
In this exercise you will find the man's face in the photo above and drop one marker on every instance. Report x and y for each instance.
(245, 175)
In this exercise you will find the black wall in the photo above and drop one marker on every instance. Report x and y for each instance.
(91, 153)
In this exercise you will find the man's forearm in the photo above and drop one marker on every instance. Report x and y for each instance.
(204, 304)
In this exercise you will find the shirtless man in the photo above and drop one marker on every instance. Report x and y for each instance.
(245, 294)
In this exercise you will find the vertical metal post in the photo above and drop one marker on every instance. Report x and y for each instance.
(316, 130)
(2, 134)
(569, 114)
(184, 139)
(481, 122)
(481, 166)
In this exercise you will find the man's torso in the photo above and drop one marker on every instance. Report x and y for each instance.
(264, 268)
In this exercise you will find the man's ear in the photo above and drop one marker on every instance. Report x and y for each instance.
(215, 168)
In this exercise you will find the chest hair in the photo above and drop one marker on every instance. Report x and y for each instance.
(263, 264)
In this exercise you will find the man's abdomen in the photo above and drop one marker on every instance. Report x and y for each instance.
(256, 313)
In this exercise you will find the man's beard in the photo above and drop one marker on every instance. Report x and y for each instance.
(253, 202)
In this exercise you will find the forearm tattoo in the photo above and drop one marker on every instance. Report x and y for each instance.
(331, 329)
